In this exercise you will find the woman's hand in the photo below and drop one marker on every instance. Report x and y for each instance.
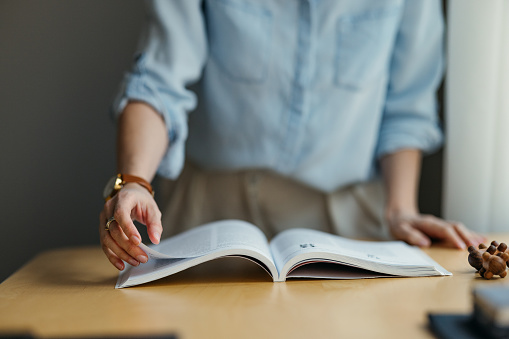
(141, 143)
(121, 242)
(401, 177)
(422, 230)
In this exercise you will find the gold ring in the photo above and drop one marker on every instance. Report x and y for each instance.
(110, 220)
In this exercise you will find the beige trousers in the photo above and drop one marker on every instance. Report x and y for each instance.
(271, 202)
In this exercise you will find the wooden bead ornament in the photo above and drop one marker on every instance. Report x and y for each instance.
(494, 265)
(492, 249)
(502, 247)
(475, 257)
(489, 261)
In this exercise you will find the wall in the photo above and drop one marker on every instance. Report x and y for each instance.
(60, 63)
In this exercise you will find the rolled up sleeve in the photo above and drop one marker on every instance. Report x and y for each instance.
(410, 118)
(171, 56)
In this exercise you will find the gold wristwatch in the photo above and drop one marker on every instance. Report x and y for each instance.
(118, 181)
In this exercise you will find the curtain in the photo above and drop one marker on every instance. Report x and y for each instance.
(476, 173)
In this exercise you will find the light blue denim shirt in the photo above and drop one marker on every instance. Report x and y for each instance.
(316, 90)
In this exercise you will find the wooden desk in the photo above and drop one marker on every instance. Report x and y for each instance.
(70, 292)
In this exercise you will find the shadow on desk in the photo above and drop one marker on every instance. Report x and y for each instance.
(227, 270)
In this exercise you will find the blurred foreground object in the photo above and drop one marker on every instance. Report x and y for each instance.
(490, 317)
(491, 309)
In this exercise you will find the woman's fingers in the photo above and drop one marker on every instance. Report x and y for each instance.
(471, 238)
(439, 229)
(421, 229)
(121, 242)
(105, 244)
(123, 248)
(125, 202)
(130, 205)
(154, 226)
(405, 231)
(118, 248)
(112, 257)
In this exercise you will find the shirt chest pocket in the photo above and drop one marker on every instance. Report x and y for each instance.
(364, 47)
(239, 35)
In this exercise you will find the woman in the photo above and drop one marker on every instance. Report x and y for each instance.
(312, 114)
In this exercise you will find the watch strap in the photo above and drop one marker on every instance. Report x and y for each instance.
(126, 178)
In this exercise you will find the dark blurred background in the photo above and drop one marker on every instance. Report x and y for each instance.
(60, 65)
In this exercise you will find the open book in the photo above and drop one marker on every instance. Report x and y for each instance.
(293, 253)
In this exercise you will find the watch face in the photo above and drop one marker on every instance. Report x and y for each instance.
(110, 187)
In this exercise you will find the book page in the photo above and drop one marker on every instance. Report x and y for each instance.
(302, 244)
(211, 237)
(327, 270)
(198, 245)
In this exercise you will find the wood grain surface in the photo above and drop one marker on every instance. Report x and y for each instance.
(70, 292)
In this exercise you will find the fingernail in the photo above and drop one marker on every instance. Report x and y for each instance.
(157, 236)
(133, 262)
(142, 258)
(136, 240)
(423, 243)
(119, 265)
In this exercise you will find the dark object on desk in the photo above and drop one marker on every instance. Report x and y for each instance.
(489, 261)
(455, 326)
(490, 318)
(491, 309)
